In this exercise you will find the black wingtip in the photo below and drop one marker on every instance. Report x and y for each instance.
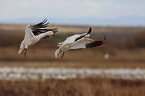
(90, 29)
(45, 20)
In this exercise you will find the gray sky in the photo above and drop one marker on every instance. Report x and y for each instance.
(104, 9)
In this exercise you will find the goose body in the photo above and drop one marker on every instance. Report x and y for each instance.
(33, 33)
(76, 42)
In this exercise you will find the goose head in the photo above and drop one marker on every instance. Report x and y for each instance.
(51, 33)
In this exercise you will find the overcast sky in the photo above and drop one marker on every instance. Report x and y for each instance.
(104, 9)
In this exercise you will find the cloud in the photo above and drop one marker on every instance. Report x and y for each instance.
(25, 4)
(116, 9)
(71, 8)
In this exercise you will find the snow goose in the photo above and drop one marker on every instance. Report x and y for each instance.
(76, 42)
(33, 33)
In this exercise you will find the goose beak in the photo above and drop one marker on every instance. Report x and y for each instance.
(54, 34)
(90, 36)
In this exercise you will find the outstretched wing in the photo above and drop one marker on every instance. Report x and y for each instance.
(94, 44)
(90, 29)
(69, 40)
(82, 43)
(87, 43)
(41, 28)
(80, 37)
(83, 35)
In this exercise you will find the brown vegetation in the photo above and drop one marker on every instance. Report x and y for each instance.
(120, 54)
(118, 37)
(42, 55)
(137, 41)
(73, 87)
(92, 58)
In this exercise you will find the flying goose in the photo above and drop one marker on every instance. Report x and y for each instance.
(34, 33)
(76, 42)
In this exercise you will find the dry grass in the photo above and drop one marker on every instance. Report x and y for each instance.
(73, 87)
(92, 58)
(43, 56)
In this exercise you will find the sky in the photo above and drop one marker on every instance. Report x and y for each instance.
(67, 11)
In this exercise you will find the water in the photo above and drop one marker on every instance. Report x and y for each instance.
(22, 73)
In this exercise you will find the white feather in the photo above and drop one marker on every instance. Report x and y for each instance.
(81, 43)
(21, 47)
(30, 38)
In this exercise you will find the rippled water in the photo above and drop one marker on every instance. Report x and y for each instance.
(21, 73)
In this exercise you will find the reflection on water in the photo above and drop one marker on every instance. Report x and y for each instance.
(21, 73)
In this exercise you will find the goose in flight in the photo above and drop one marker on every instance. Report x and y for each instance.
(76, 42)
(33, 33)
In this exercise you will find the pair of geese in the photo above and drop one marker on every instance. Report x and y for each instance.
(34, 33)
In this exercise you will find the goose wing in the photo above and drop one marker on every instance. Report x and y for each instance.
(41, 28)
(28, 34)
(82, 43)
(94, 44)
(75, 38)
(87, 43)
(69, 40)
(83, 35)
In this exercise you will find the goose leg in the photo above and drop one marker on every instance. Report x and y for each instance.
(25, 52)
(58, 53)
(22, 54)
(62, 56)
